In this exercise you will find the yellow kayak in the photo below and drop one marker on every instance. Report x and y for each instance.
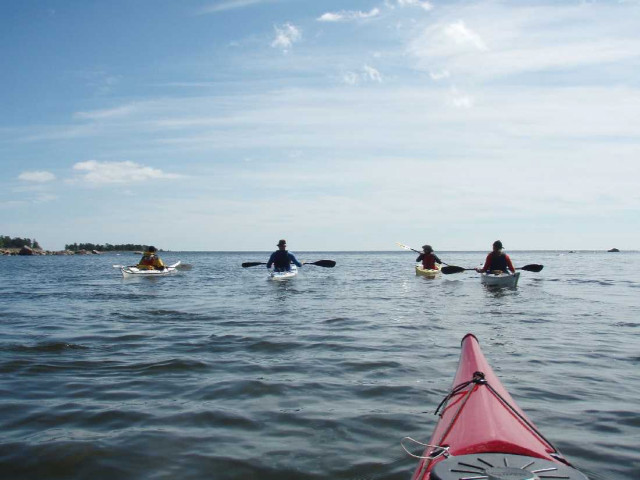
(427, 272)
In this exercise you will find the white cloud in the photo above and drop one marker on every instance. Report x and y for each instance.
(351, 78)
(229, 5)
(286, 36)
(460, 100)
(441, 75)
(415, 3)
(38, 176)
(372, 74)
(494, 41)
(116, 112)
(368, 74)
(96, 172)
(348, 15)
(463, 35)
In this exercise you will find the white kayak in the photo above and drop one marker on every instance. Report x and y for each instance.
(500, 279)
(135, 271)
(284, 275)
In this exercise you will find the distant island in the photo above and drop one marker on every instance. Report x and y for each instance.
(26, 246)
(125, 247)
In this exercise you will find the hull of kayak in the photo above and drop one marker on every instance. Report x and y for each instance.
(284, 275)
(483, 434)
(134, 271)
(427, 272)
(500, 280)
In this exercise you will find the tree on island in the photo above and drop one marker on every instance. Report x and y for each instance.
(74, 247)
(17, 242)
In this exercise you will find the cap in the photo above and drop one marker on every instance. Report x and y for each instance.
(152, 249)
(497, 244)
(282, 242)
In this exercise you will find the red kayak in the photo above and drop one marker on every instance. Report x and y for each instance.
(483, 435)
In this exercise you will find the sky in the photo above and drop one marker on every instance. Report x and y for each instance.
(338, 125)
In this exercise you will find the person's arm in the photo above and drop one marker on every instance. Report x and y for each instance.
(158, 264)
(509, 264)
(294, 260)
(437, 259)
(487, 265)
(420, 257)
(270, 262)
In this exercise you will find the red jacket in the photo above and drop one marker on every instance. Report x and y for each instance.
(498, 262)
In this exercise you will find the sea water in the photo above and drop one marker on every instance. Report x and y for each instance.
(218, 373)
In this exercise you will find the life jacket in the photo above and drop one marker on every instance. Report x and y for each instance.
(498, 262)
(149, 262)
(281, 261)
(429, 261)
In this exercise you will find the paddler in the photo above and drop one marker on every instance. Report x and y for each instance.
(281, 259)
(150, 260)
(497, 261)
(428, 258)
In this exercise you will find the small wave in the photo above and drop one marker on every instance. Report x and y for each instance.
(335, 320)
(536, 320)
(170, 366)
(626, 324)
(45, 347)
(372, 365)
(274, 347)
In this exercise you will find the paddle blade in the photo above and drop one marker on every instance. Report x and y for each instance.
(116, 266)
(532, 268)
(252, 264)
(407, 247)
(323, 263)
(449, 269)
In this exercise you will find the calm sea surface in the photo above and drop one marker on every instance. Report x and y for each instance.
(218, 373)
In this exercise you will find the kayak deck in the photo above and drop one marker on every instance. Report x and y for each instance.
(135, 271)
(284, 275)
(427, 272)
(500, 280)
(481, 428)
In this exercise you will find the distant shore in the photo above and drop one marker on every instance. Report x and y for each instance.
(26, 251)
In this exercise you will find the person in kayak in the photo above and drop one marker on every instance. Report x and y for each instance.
(150, 260)
(281, 259)
(497, 261)
(428, 258)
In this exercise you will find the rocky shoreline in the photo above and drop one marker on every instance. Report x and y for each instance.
(37, 251)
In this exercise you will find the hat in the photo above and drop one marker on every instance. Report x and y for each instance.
(152, 249)
(497, 244)
(427, 248)
(282, 242)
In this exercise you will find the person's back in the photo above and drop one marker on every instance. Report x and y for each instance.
(281, 259)
(428, 258)
(497, 261)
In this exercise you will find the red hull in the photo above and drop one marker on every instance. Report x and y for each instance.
(476, 420)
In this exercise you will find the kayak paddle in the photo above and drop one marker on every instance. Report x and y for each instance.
(319, 263)
(252, 264)
(322, 263)
(407, 247)
(529, 268)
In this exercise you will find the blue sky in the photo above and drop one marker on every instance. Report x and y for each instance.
(338, 125)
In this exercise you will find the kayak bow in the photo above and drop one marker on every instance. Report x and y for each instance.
(483, 435)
